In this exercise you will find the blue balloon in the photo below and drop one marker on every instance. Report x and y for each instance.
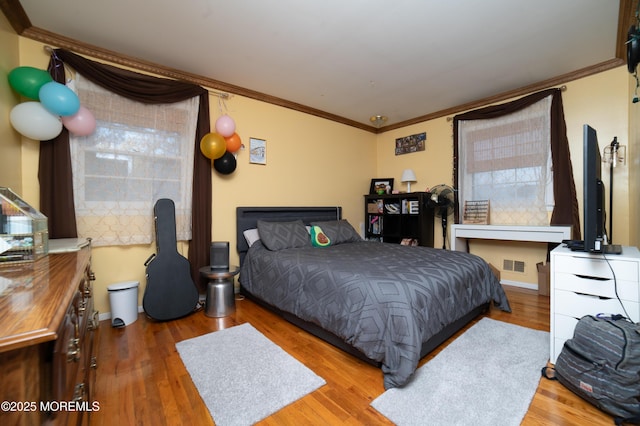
(59, 99)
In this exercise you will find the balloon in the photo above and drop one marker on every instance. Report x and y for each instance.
(213, 146)
(27, 81)
(82, 123)
(59, 99)
(225, 164)
(233, 143)
(225, 126)
(32, 120)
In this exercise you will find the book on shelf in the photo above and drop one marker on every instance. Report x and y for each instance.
(375, 225)
(414, 207)
(410, 207)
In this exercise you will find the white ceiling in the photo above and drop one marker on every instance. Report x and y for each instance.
(352, 58)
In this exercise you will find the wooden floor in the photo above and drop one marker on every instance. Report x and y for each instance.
(141, 379)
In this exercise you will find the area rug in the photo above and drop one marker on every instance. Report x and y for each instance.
(487, 376)
(244, 377)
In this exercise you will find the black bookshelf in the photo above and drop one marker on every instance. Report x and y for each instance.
(399, 218)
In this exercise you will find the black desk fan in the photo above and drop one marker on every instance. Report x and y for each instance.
(442, 201)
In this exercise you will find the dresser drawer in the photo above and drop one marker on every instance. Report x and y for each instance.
(627, 290)
(556, 348)
(597, 267)
(564, 326)
(578, 305)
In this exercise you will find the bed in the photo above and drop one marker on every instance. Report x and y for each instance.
(387, 304)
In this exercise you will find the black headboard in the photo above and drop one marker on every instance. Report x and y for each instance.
(247, 218)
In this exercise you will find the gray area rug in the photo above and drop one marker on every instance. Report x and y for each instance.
(244, 377)
(487, 376)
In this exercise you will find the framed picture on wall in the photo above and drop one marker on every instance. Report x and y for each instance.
(381, 186)
(413, 143)
(257, 151)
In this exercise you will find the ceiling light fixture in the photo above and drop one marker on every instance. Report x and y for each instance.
(378, 120)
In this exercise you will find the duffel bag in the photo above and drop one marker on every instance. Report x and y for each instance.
(601, 364)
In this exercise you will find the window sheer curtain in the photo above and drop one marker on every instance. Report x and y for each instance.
(565, 204)
(55, 173)
(120, 171)
(508, 160)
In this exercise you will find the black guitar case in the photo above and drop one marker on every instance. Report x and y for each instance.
(170, 292)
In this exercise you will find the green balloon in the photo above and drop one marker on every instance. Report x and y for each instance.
(27, 81)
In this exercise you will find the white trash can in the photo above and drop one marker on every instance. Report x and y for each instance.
(123, 298)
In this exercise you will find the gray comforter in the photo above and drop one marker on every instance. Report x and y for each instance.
(383, 299)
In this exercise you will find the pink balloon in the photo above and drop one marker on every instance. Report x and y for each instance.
(225, 126)
(82, 123)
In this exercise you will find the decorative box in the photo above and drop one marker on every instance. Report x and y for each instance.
(24, 234)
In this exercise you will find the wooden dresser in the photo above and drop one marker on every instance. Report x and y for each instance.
(48, 335)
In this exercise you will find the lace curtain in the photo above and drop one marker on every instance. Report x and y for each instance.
(138, 154)
(507, 160)
(514, 170)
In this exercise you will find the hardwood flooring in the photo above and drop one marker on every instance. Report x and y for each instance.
(141, 379)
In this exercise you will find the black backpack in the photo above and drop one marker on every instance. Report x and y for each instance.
(601, 364)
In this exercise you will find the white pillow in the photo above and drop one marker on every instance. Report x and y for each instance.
(251, 236)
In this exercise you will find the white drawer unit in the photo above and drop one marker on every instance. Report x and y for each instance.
(591, 284)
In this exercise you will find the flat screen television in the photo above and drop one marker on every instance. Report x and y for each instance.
(594, 201)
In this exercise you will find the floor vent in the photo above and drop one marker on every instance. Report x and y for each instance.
(513, 265)
(507, 265)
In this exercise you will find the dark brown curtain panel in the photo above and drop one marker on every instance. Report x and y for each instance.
(566, 210)
(54, 172)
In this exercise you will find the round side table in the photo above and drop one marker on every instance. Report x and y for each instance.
(220, 300)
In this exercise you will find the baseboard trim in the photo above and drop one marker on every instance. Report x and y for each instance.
(520, 284)
(107, 315)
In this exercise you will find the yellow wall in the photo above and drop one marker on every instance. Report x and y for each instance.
(633, 164)
(312, 161)
(600, 100)
(10, 171)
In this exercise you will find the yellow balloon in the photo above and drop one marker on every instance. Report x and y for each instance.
(213, 146)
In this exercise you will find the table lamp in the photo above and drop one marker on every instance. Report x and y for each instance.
(408, 176)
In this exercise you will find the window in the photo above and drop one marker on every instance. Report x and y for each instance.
(138, 154)
(507, 160)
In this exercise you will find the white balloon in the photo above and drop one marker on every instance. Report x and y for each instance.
(32, 120)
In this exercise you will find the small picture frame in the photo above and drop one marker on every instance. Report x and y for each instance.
(257, 151)
(381, 186)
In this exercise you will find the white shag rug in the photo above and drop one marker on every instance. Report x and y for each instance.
(487, 376)
(244, 377)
